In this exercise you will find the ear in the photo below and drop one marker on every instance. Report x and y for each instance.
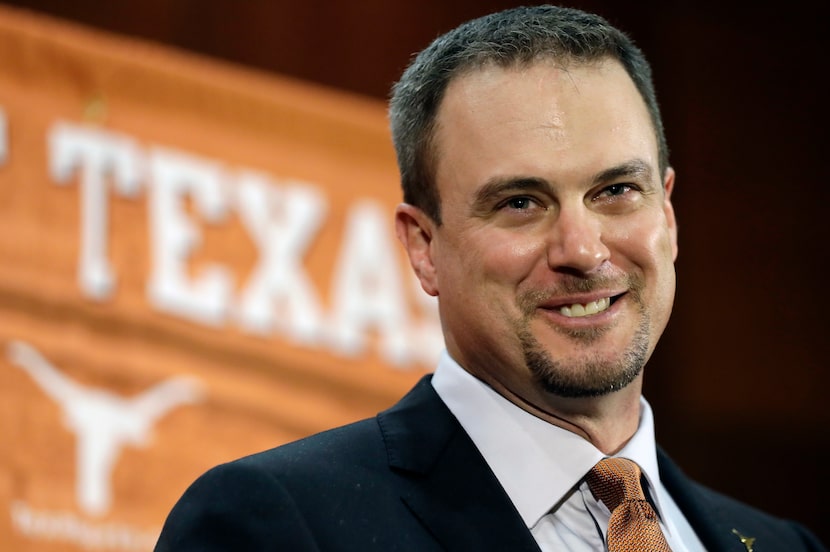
(415, 230)
(668, 209)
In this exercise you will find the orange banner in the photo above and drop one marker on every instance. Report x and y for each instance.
(198, 262)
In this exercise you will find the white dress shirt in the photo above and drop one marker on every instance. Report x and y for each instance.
(546, 487)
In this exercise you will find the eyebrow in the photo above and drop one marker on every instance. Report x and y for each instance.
(630, 169)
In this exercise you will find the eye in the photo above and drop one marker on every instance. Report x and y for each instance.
(519, 203)
(616, 192)
(620, 198)
(617, 189)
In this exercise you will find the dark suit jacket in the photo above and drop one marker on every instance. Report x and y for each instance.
(409, 480)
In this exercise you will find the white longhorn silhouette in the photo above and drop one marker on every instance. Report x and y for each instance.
(103, 422)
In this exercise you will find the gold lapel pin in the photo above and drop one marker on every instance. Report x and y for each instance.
(747, 541)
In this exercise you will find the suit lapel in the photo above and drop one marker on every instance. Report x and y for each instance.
(449, 486)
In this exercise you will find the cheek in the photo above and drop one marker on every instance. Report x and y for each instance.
(651, 248)
(648, 243)
(487, 268)
(510, 259)
(661, 247)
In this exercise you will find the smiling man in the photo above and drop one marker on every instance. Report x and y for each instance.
(537, 208)
(553, 258)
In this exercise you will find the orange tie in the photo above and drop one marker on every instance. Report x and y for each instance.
(633, 526)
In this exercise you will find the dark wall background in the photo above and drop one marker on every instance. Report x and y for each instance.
(739, 382)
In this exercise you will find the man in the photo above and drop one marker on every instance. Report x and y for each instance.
(538, 210)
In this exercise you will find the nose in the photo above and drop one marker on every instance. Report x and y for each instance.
(576, 243)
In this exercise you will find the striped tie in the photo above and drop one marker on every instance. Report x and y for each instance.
(633, 526)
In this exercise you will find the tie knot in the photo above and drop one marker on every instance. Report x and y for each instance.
(614, 481)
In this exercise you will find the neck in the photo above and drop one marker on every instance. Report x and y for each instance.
(608, 422)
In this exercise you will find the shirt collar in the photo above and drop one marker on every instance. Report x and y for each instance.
(523, 451)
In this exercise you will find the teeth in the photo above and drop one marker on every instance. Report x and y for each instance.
(577, 310)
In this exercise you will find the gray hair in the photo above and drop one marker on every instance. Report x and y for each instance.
(515, 36)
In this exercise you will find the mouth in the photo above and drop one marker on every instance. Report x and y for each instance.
(579, 310)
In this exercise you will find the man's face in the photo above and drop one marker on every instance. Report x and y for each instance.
(554, 261)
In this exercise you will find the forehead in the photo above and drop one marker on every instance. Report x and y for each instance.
(541, 117)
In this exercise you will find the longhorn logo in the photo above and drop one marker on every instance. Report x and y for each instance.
(102, 422)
